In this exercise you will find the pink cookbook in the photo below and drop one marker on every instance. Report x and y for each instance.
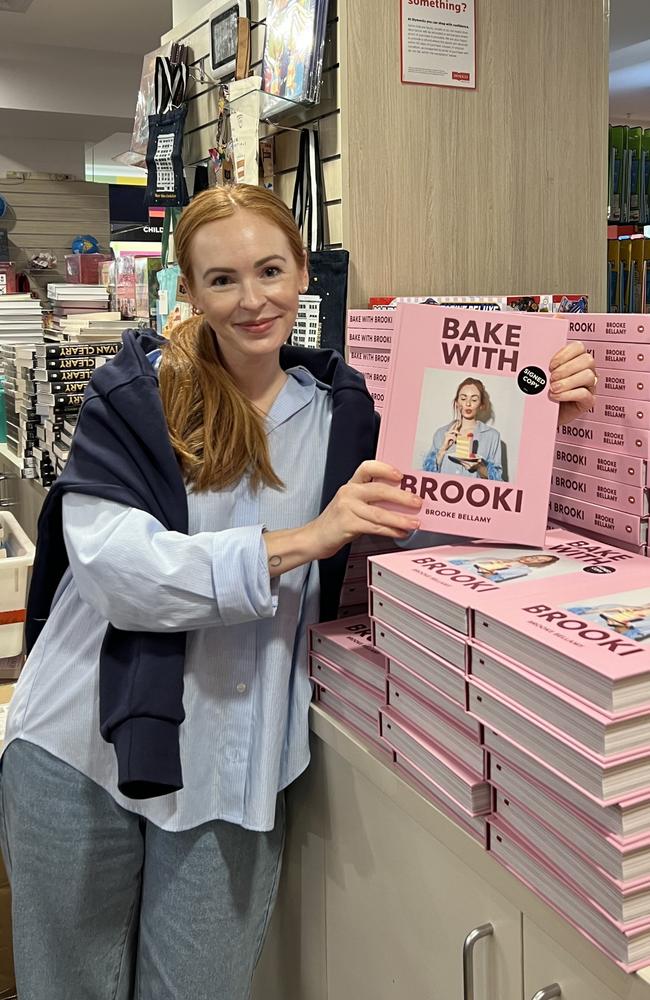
(627, 384)
(628, 328)
(622, 411)
(604, 492)
(631, 470)
(606, 437)
(468, 421)
(626, 357)
(606, 521)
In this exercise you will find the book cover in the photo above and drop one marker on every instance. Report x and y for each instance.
(469, 422)
(627, 328)
(588, 634)
(629, 470)
(606, 521)
(448, 583)
(607, 437)
(604, 493)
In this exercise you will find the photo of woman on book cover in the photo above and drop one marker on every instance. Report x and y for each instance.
(469, 444)
(626, 614)
(500, 567)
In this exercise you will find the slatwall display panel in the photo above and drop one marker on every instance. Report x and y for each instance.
(202, 109)
(47, 215)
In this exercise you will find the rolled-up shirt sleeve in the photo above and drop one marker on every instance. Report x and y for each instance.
(140, 576)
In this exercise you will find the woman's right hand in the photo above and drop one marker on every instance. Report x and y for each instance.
(354, 511)
(450, 438)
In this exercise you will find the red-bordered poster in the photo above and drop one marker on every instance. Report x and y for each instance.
(438, 42)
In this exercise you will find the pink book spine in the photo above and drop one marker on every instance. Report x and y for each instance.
(362, 358)
(638, 550)
(390, 718)
(376, 378)
(630, 470)
(624, 357)
(627, 385)
(627, 328)
(625, 440)
(604, 521)
(623, 412)
(372, 340)
(605, 493)
(373, 319)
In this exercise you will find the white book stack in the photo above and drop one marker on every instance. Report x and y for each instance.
(21, 319)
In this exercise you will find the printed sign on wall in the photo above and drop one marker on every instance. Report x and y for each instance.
(438, 39)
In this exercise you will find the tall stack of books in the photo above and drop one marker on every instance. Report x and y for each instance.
(21, 320)
(368, 341)
(61, 373)
(349, 676)
(354, 593)
(528, 667)
(80, 313)
(20, 404)
(600, 476)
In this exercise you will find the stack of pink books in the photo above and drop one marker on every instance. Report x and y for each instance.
(349, 676)
(368, 341)
(354, 593)
(600, 476)
(557, 671)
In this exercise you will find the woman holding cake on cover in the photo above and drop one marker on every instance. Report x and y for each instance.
(467, 446)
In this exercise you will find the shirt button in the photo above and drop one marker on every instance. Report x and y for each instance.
(241, 688)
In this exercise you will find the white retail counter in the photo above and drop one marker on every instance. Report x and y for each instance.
(380, 890)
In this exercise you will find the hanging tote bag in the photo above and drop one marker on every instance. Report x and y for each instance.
(165, 175)
(328, 269)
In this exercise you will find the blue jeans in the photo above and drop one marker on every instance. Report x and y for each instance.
(107, 906)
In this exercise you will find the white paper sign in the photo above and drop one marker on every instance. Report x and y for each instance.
(439, 42)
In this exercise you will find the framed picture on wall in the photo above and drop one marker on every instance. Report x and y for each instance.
(224, 25)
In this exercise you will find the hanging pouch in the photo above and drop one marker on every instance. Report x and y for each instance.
(166, 185)
(328, 269)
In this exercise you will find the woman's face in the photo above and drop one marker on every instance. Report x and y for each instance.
(468, 402)
(246, 282)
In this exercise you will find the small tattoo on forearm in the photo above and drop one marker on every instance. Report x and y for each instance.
(275, 561)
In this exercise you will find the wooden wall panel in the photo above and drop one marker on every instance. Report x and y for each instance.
(498, 190)
(47, 215)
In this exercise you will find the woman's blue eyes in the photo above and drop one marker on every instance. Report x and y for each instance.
(223, 280)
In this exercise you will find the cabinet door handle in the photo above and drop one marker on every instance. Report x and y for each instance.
(551, 992)
(468, 957)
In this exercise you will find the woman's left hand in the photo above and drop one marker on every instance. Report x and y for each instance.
(573, 381)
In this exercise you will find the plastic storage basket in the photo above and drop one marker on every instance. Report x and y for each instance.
(14, 571)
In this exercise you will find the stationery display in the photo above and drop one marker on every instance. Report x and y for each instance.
(468, 418)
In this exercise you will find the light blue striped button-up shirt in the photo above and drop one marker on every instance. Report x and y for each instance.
(247, 691)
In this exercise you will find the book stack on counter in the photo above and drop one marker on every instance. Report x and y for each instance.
(20, 404)
(21, 320)
(368, 340)
(538, 659)
(600, 477)
(61, 373)
(80, 313)
(349, 676)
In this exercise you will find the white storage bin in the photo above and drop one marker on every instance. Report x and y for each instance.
(14, 571)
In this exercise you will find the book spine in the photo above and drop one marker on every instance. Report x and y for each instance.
(626, 357)
(358, 356)
(606, 493)
(626, 385)
(381, 340)
(605, 522)
(62, 401)
(59, 377)
(611, 327)
(623, 412)
(61, 387)
(71, 364)
(79, 350)
(621, 440)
